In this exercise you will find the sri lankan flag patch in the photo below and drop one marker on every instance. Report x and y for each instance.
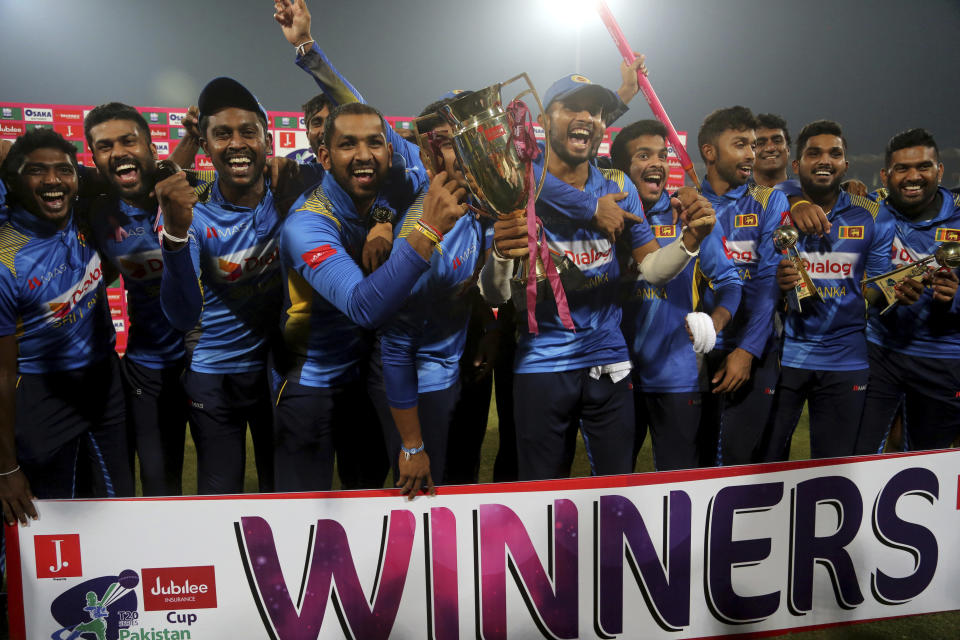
(745, 220)
(850, 233)
(664, 231)
(948, 235)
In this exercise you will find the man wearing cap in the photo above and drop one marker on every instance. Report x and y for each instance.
(564, 376)
(222, 284)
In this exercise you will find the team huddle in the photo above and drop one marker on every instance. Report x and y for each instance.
(354, 309)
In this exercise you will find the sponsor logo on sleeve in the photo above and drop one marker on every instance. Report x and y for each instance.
(745, 220)
(179, 588)
(38, 114)
(850, 233)
(947, 235)
(664, 231)
(314, 257)
(58, 556)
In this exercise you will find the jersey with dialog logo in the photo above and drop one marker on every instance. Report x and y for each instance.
(595, 309)
(654, 318)
(830, 335)
(923, 329)
(124, 236)
(748, 215)
(233, 254)
(52, 295)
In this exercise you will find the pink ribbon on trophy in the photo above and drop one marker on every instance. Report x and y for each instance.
(658, 111)
(527, 148)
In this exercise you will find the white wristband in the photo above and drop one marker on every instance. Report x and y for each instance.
(171, 237)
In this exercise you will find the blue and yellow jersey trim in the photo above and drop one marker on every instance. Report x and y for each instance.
(318, 202)
(615, 175)
(760, 193)
(11, 241)
(865, 203)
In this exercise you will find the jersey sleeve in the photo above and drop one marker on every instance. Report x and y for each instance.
(563, 199)
(721, 271)
(878, 258)
(311, 245)
(761, 293)
(399, 342)
(8, 303)
(181, 294)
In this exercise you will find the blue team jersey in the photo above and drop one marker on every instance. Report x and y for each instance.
(830, 335)
(748, 216)
(330, 307)
(926, 328)
(233, 255)
(124, 236)
(52, 295)
(654, 317)
(421, 347)
(595, 308)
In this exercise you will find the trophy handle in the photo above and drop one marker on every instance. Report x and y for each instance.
(546, 121)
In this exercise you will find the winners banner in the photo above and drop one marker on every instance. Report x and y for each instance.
(687, 554)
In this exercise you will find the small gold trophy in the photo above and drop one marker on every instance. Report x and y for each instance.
(785, 238)
(947, 256)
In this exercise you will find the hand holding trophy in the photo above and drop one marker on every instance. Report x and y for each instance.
(785, 239)
(947, 256)
(495, 148)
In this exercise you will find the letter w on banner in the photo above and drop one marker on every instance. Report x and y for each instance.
(687, 554)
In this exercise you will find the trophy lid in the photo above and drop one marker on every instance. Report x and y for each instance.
(467, 106)
(948, 255)
(785, 237)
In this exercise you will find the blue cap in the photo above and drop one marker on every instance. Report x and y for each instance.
(573, 84)
(222, 93)
(453, 93)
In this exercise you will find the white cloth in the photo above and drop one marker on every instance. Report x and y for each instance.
(617, 371)
(495, 279)
(704, 334)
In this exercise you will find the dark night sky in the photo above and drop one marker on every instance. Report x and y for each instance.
(876, 66)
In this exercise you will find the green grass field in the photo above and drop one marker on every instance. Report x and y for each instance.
(944, 626)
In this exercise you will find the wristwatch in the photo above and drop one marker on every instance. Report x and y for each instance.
(380, 215)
